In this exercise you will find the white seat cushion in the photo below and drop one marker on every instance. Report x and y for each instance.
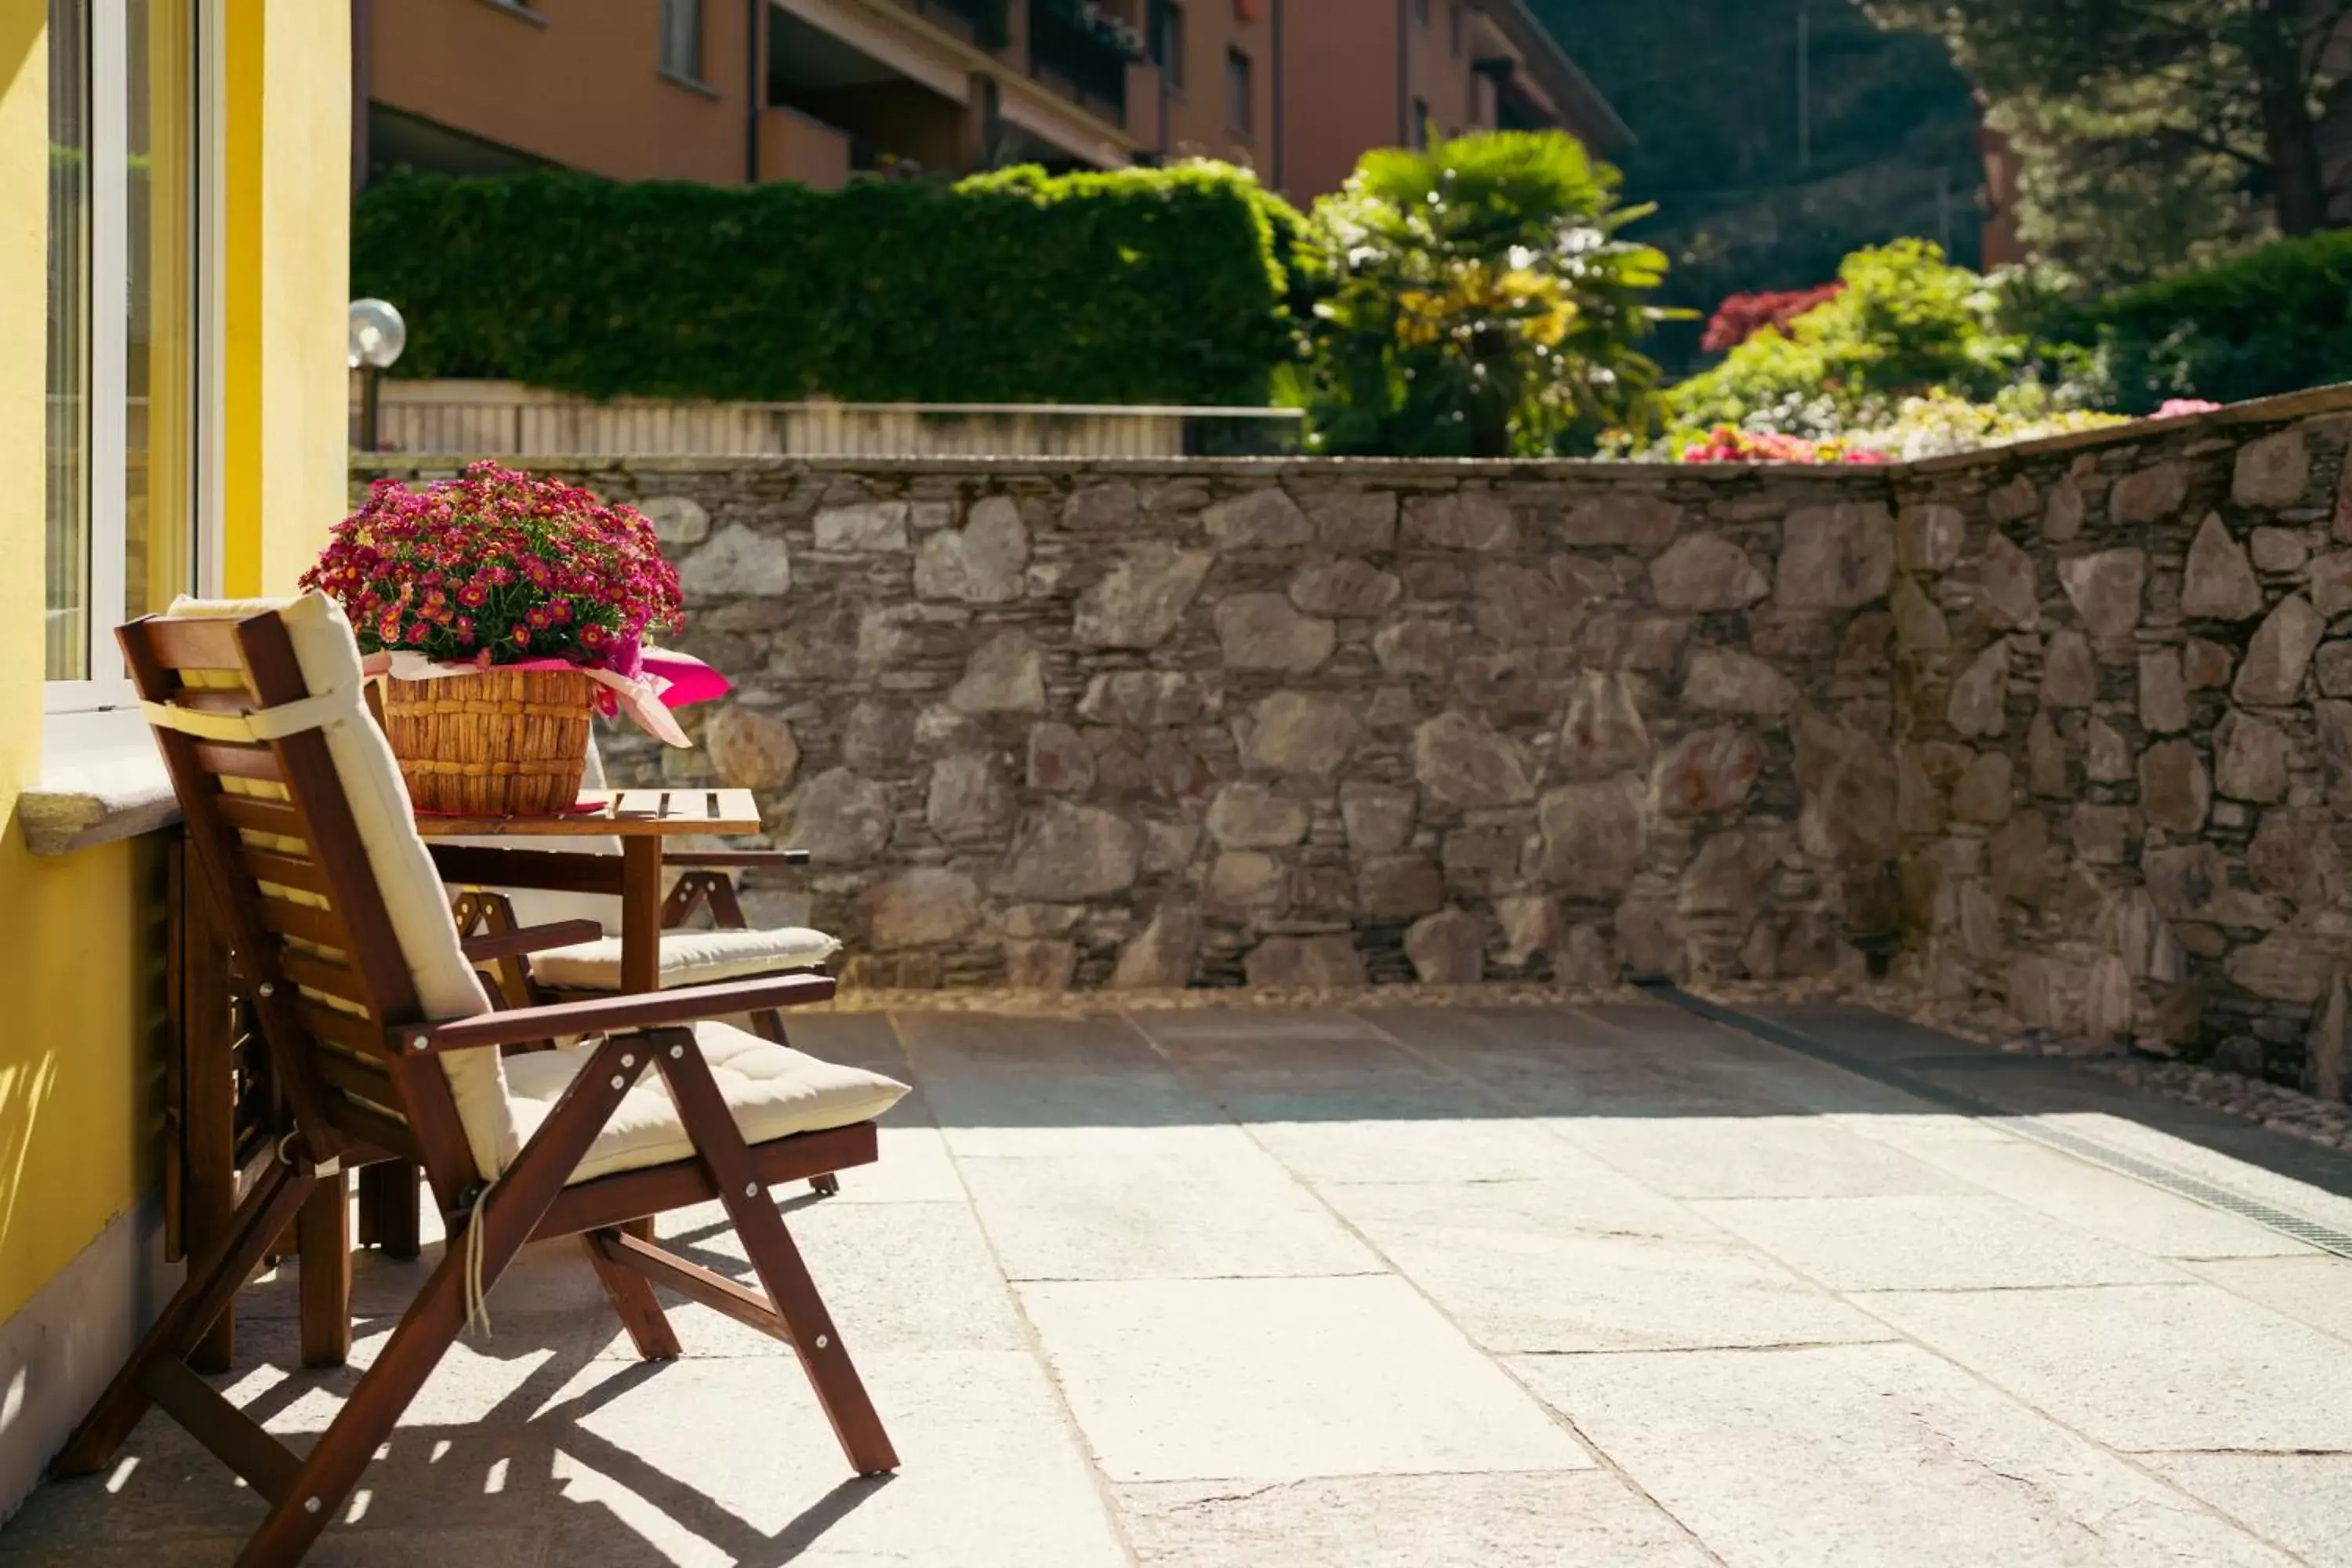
(687, 958)
(773, 1090)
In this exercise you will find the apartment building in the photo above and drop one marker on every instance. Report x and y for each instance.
(735, 91)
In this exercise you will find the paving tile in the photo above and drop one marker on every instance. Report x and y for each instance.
(1334, 1138)
(708, 1462)
(2315, 1289)
(2295, 1499)
(1563, 1062)
(2223, 1170)
(2103, 1203)
(1570, 1266)
(1930, 1243)
(1867, 1454)
(2146, 1366)
(1282, 1379)
(1587, 1518)
(1752, 1157)
(1157, 1218)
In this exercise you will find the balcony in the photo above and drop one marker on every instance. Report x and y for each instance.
(987, 23)
(1067, 53)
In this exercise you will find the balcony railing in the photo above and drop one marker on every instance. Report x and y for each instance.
(1065, 50)
(985, 22)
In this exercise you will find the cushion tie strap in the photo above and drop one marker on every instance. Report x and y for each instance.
(312, 712)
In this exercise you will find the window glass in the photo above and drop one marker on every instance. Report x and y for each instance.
(681, 42)
(1168, 41)
(1237, 90)
(159, 374)
(1421, 123)
(67, 522)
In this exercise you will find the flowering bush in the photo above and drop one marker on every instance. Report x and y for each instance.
(1726, 444)
(1742, 316)
(498, 567)
(1938, 423)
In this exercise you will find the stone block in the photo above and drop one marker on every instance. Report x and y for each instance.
(1414, 648)
(1399, 887)
(2272, 472)
(2219, 582)
(1928, 538)
(1163, 954)
(2294, 854)
(678, 520)
(2105, 589)
(1460, 761)
(1378, 817)
(1262, 631)
(1146, 700)
(1265, 519)
(1531, 925)
(1067, 852)
(2279, 549)
(2173, 787)
(1032, 964)
(1728, 874)
(1978, 706)
(1318, 962)
(1006, 674)
(2272, 672)
(2061, 518)
(1709, 771)
(840, 818)
(1250, 816)
(2147, 495)
(1060, 760)
(2009, 597)
(1704, 573)
(983, 562)
(1835, 557)
(967, 799)
(2336, 752)
(1601, 731)
(2106, 755)
(2206, 665)
(1593, 836)
(1723, 680)
(1919, 626)
(2069, 677)
(1483, 859)
(873, 527)
(1848, 779)
(1518, 606)
(2250, 758)
(749, 749)
(1352, 519)
(1448, 948)
(1245, 882)
(923, 907)
(736, 563)
(1641, 523)
(2014, 501)
(2018, 857)
(2099, 832)
(2163, 694)
(2284, 966)
(1140, 601)
(1347, 587)
(1984, 792)
(1105, 506)
(1463, 520)
(1301, 732)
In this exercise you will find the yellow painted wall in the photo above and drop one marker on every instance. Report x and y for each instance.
(77, 1147)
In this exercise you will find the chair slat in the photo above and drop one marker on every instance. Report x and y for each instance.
(370, 1079)
(386, 1134)
(271, 816)
(307, 922)
(351, 1034)
(285, 871)
(322, 975)
(238, 761)
(194, 643)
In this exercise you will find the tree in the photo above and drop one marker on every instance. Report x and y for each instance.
(2177, 122)
(1475, 300)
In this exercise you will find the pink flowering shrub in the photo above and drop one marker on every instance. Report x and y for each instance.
(1726, 444)
(498, 567)
(2183, 407)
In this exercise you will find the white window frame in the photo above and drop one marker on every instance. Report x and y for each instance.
(107, 684)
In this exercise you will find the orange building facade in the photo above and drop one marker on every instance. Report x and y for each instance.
(737, 91)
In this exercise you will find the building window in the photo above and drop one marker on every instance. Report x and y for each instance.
(1421, 12)
(1420, 124)
(1453, 27)
(120, 435)
(681, 39)
(1168, 41)
(1238, 105)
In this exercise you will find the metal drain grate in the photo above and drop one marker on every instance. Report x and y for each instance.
(2064, 1139)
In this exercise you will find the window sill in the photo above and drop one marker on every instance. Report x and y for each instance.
(691, 84)
(101, 781)
(519, 11)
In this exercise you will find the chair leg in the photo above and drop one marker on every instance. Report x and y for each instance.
(768, 1025)
(212, 1282)
(639, 1306)
(324, 1277)
(815, 1341)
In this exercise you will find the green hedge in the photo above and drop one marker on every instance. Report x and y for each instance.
(1139, 285)
(2278, 320)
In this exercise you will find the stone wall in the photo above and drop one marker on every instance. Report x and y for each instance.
(2126, 757)
(1061, 724)
(2064, 723)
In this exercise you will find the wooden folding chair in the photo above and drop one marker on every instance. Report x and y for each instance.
(384, 1046)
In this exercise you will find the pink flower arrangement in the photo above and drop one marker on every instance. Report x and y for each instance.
(498, 567)
(1726, 444)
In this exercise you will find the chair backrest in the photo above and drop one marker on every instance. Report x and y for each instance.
(296, 806)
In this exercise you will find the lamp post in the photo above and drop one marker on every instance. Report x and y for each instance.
(378, 334)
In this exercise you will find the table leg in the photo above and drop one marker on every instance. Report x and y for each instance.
(324, 1227)
(641, 903)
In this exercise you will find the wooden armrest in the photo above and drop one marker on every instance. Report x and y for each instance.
(550, 870)
(613, 1015)
(529, 938)
(698, 859)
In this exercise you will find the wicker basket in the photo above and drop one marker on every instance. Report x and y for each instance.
(505, 742)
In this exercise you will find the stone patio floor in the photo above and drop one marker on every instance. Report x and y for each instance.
(1391, 1286)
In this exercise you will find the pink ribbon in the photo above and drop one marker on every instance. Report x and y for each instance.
(668, 679)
